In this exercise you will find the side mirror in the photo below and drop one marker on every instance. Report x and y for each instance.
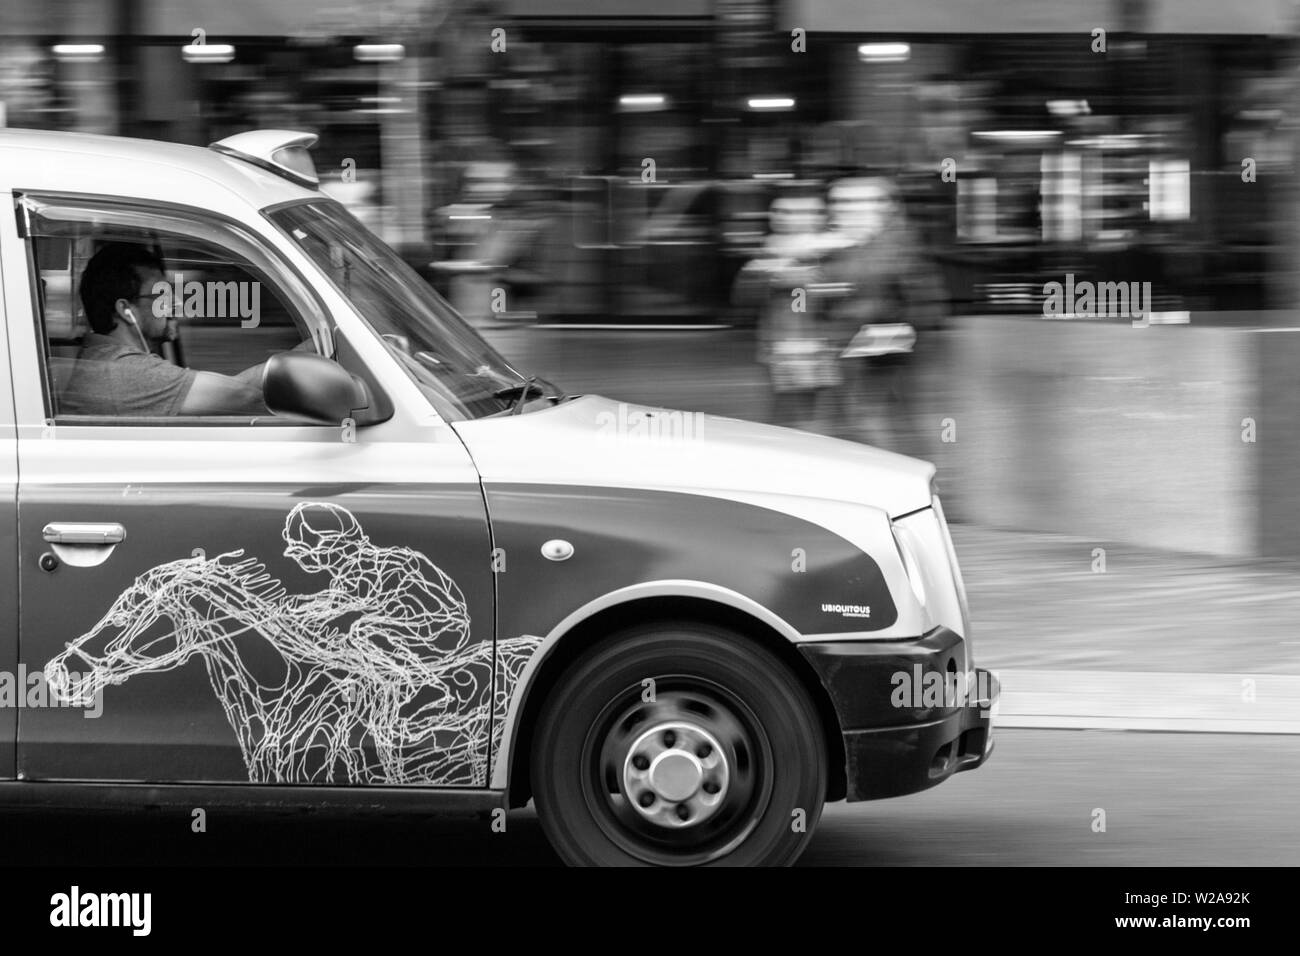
(311, 386)
(380, 408)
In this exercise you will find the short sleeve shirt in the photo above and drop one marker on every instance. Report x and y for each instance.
(113, 378)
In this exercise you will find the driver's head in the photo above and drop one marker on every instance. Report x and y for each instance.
(322, 537)
(118, 285)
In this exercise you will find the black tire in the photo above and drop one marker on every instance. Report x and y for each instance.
(759, 767)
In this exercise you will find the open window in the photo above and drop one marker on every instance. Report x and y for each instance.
(210, 302)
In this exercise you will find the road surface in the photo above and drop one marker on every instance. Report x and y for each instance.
(1170, 799)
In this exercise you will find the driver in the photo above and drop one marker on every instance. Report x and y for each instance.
(117, 372)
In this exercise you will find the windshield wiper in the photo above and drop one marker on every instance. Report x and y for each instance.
(520, 393)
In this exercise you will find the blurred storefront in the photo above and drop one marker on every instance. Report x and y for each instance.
(615, 162)
(1106, 139)
(194, 72)
(646, 145)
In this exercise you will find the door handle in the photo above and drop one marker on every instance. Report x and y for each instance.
(61, 532)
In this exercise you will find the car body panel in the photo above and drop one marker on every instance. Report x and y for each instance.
(8, 512)
(180, 695)
(183, 491)
(142, 169)
(620, 537)
(599, 442)
(630, 544)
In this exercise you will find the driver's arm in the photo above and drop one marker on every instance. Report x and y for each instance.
(213, 394)
(253, 374)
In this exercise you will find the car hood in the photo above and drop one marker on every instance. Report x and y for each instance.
(591, 440)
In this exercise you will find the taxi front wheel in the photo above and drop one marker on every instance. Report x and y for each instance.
(678, 745)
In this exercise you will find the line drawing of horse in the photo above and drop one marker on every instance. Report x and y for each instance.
(396, 693)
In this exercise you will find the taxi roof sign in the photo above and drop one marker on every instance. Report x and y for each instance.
(282, 151)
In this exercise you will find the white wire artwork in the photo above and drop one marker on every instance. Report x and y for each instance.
(374, 678)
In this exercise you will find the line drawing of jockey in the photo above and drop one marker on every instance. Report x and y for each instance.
(399, 626)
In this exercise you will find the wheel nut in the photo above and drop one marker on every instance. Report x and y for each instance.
(703, 750)
(670, 738)
(711, 786)
(641, 762)
(683, 812)
(646, 798)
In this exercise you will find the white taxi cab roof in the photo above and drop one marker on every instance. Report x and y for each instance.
(45, 161)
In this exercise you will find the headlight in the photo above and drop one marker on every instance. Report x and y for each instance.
(910, 564)
(951, 552)
(927, 556)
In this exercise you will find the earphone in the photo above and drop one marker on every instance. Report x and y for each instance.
(130, 317)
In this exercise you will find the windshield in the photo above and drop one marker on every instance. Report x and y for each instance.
(460, 373)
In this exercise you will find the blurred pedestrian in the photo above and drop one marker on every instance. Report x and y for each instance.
(885, 303)
(794, 337)
(497, 270)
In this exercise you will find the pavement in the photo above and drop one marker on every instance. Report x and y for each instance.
(1149, 640)
(1155, 641)
(1037, 603)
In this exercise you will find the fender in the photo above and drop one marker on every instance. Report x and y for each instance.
(772, 557)
(504, 755)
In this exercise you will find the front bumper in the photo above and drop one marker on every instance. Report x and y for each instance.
(909, 716)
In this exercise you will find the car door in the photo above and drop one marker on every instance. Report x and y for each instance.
(258, 599)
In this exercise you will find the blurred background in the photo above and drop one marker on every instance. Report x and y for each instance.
(616, 192)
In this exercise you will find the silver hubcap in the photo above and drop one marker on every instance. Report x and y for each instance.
(676, 774)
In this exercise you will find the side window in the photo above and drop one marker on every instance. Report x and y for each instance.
(151, 319)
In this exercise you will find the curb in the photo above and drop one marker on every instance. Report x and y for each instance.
(1160, 701)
